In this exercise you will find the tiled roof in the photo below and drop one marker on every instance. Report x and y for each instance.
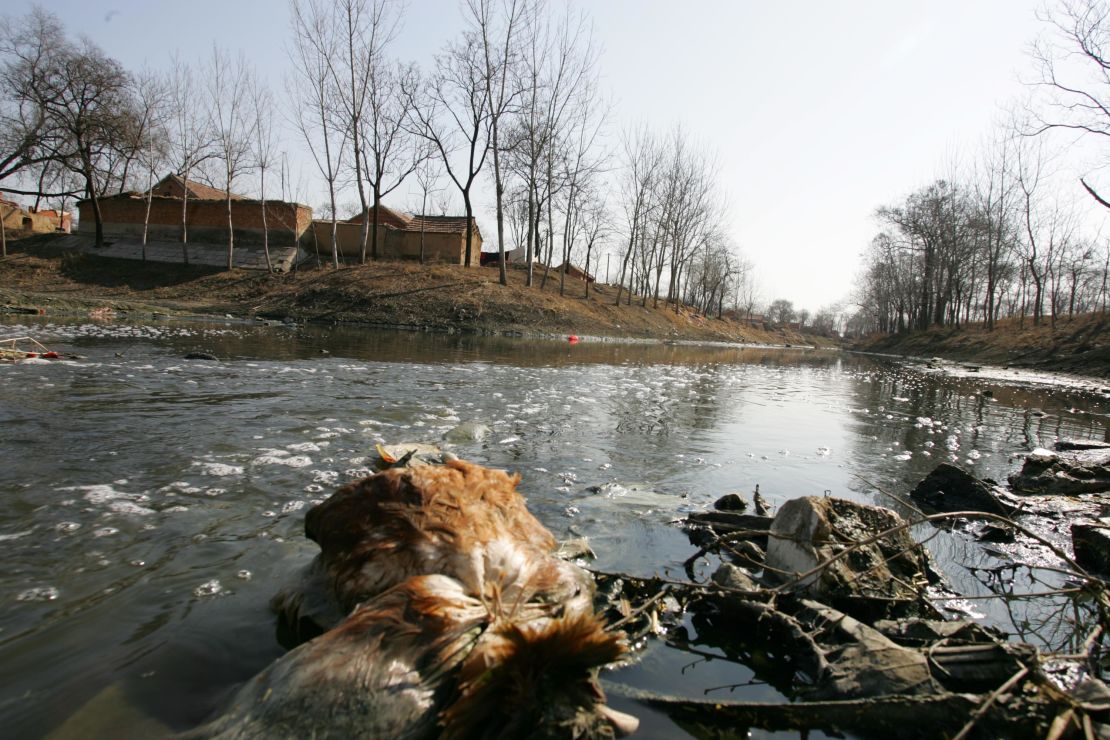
(196, 190)
(405, 222)
(386, 217)
(444, 224)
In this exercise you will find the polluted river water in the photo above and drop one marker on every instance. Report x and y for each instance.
(153, 504)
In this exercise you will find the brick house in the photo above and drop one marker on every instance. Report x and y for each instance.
(573, 271)
(16, 217)
(205, 216)
(399, 237)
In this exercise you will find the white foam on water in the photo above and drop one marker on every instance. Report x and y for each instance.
(105, 532)
(303, 447)
(209, 588)
(38, 593)
(179, 487)
(282, 457)
(325, 476)
(67, 527)
(292, 506)
(358, 473)
(509, 440)
(220, 470)
(13, 536)
(117, 501)
(128, 507)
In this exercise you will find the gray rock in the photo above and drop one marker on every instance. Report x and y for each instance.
(1091, 543)
(809, 531)
(1068, 445)
(1064, 473)
(734, 577)
(951, 488)
(869, 663)
(730, 502)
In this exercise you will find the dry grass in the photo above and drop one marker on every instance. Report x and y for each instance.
(403, 294)
(1079, 344)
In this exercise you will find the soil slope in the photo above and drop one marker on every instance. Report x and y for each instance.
(36, 275)
(1077, 345)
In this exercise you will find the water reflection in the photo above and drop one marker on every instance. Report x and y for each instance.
(134, 480)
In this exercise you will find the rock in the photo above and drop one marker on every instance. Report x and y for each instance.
(412, 454)
(748, 553)
(868, 663)
(1067, 445)
(809, 531)
(468, 431)
(925, 632)
(951, 488)
(1064, 473)
(201, 356)
(731, 576)
(761, 506)
(1000, 535)
(730, 502)
(1091, 543)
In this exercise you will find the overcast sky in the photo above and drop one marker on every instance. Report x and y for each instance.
(819, 112)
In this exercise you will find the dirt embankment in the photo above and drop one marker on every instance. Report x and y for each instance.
(389, 294)
(1075, 345)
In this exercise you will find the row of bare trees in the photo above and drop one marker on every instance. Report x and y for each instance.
(675, 230)
(1015, 234)
(997, 242)
(513, 101)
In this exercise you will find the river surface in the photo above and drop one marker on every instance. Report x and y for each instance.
(152, 505)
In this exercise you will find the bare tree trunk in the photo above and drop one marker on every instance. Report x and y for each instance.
(230, 233)
(149, 199)
(266, 225)
(185, 220)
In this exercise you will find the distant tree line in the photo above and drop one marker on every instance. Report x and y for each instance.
(1012, 235)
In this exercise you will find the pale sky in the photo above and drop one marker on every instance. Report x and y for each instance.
(818, 112)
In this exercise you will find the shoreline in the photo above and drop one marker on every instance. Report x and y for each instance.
(38, 279)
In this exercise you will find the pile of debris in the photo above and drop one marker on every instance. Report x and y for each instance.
(842, 595)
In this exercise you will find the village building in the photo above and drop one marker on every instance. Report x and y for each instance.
(19, 218)
(574, 271)
(400, 236)
(125, 216)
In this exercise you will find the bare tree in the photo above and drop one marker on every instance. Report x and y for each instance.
(315, 116)
(30, 50)
(454, 117)
(498, 32)
(150, 137)
(637, 185)
(232, 126)
(263, 151)
(427, 177)
(190, 141)
(1073, 65)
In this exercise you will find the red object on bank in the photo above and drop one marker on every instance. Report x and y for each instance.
(573, 339)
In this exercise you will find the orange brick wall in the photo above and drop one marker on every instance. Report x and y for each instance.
(393, 244)
(206, 219)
